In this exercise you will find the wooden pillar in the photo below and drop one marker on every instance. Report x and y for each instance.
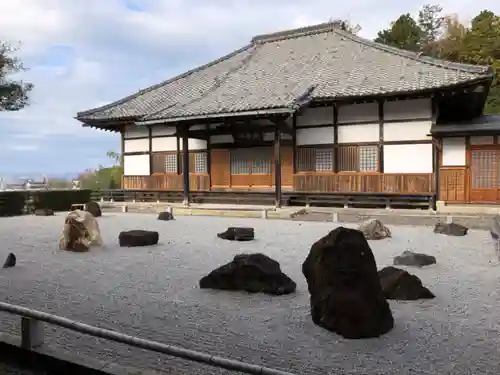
(381, 137)
(178, 153)
(150, 136)
(185, 166)
(122, 147)
(294, 143)
(209, 157)
(277, 166)
(335, 138)
(436, 152)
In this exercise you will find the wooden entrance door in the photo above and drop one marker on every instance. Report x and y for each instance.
(485, 174)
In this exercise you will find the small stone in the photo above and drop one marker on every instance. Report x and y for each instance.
(165, 216)
(134, 238)
(409, 258)
(451, 229)
(373, 229)
(10, 261)
(399, 284)
(237, 234)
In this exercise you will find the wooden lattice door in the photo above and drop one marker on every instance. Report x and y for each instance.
(485, 175)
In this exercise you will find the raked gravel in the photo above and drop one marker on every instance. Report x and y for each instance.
(153, 293)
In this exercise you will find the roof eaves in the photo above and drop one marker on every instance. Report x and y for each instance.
(86, 113)
(257, 112)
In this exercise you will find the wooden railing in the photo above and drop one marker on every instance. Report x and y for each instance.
(453, 184)
(412, 183)
(197, 182)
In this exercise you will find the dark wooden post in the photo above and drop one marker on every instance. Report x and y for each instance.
(381, 138)
(277, 164)
(294, 144)
(335, 138)
(185, 165)
(150, 136)
(178, 154)
(436, 154)
(209, 156)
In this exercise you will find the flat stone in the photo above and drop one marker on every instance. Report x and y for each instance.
(138, 237)
(252, 273)
(237, 234)
(409, 258)
(451, 229)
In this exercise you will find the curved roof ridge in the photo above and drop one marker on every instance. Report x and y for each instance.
(166, 82)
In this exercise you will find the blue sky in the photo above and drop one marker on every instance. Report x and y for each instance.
(85, 53)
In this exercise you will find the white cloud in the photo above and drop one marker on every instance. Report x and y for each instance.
(83, 53)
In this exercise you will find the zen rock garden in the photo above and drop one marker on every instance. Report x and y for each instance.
(348, 294)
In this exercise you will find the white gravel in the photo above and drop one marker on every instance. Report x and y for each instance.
(153, 293)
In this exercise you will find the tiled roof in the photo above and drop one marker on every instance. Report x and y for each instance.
(276, 70)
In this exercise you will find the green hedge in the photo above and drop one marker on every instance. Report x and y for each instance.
(59, 200)
(12, 203)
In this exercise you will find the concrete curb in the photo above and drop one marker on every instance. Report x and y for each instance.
(51, 361)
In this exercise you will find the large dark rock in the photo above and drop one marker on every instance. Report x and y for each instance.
(252, 273)
(409, 258)
(10, 261)
(373, 229)
(400, 285)
(451, 229)
(165, 216)
(94, 208)
(133, 238)
(237, 234)
(346, 296)
(44, 212)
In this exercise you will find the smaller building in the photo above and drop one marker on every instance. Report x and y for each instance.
(314, 110)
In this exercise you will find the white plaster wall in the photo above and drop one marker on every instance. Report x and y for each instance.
(194, 144)
(454, 151)
(286, 136)
(482, 140)
(407, 109)
(162, 130)
(358, 112)
(358, 133)
(408, 158)
(407, 131)
(136, 165)
(223, 138)
(315, 116)
(136, 145)
(134, 131)
(315, 136)
(164, 144)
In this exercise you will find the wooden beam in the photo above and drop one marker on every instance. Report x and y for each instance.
(381, 136)
(122, 147)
